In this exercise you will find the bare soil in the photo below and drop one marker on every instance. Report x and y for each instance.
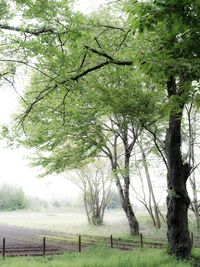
(20, 241)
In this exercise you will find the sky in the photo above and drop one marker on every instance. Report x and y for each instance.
(15, 167)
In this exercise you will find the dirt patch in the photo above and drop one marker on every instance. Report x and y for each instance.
(21, 241)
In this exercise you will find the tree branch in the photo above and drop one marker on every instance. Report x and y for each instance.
(35, 32)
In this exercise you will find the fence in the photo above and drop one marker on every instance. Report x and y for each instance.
(58, 244)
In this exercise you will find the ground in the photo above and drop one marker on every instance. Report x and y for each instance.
(61, 228)
(74, 221)
(24, 231)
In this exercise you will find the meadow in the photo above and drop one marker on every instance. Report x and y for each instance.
(73, 221)
(101, 257)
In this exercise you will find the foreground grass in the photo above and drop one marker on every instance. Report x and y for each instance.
(101, 257)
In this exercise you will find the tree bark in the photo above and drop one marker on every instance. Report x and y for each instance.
(86, 207)
(177, 200)
(123, 187)
(126, 205)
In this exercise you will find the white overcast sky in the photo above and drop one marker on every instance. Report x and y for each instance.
(14, 167)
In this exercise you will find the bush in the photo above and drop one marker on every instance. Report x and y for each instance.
(12, 198)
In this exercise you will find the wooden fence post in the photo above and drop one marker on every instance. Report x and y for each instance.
(111, 241)
(79, 243)
(141, 240)
(44, 246)
(4, 247)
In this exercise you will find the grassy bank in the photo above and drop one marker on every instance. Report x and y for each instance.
(101, 257)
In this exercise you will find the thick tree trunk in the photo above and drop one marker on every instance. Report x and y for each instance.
(177, 199)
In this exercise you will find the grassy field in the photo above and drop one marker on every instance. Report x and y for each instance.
(73, 221)
(67, 220)
(101, 257)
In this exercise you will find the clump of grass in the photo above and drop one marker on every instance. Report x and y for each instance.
(102, 257)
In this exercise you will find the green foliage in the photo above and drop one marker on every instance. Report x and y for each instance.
(6, 10)
(169, 31)
(69, 131)
(12, 198)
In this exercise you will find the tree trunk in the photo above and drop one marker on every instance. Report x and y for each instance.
(86, 208)
(126, 205)
(151, 192)
(177, 200)
(124, 190)
(192, 137)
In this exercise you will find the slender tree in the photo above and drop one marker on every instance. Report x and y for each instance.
(155, 216)
(191, 140)
(95, 183)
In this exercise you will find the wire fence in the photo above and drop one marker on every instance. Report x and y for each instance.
(51, 244)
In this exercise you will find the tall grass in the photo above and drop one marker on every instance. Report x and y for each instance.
(101, 257)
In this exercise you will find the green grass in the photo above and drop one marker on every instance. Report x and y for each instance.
(101, 257)
(74, 221)
(69, 221)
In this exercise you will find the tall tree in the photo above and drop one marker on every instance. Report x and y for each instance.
(165, 37)
(170, 50)
(155, 215)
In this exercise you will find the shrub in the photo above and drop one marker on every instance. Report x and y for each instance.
(12, 198)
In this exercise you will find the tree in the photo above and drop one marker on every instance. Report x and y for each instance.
(103, 118)
(191, 140)
(95, 183)
(171, 28)
(12, 198)
(153, 211)
(165, 38)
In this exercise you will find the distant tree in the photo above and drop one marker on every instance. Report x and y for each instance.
(35, 203)
(114, 200)
(94, 180)
(12, 198)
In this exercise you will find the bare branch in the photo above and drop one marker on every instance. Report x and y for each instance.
(100, 53)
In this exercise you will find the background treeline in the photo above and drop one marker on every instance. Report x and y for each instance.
(13, 198)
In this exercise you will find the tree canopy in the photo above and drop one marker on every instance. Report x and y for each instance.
(97, 82)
